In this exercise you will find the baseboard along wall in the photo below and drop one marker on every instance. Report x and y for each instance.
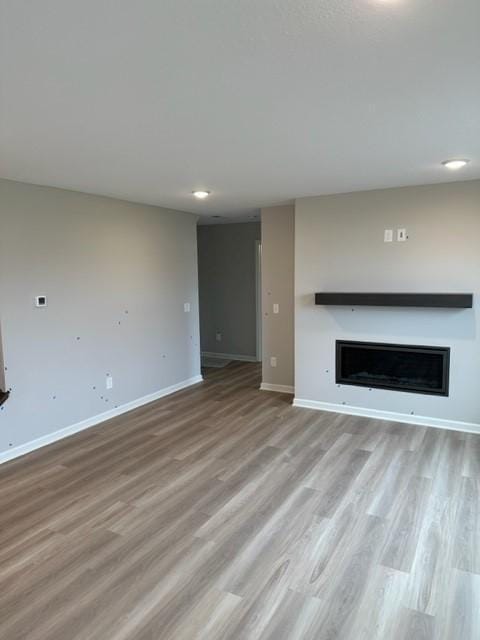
(279, 388)
(424, 421)
(50, 438)
(229, 356)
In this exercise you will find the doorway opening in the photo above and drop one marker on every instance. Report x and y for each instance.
(229, 274)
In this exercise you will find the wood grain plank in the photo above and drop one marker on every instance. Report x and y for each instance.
(222, 512)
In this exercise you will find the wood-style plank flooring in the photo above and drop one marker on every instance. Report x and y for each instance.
(222, 512)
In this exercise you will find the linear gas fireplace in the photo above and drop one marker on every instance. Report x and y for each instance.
(398, 367)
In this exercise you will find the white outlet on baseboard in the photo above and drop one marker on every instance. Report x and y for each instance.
(273, 361)
(109, 382)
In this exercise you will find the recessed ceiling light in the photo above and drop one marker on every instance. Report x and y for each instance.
(455, 164)
(201, 195)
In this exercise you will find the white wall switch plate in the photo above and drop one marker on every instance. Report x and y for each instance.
(276, 308)
(41, 301)
(109, 382)
(186, 307)
(273, 361)
(388, 235)
(218, 336)
(401, 235)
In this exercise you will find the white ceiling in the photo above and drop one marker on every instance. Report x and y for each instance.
(260, 101)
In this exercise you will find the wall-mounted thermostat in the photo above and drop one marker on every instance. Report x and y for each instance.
(41, 301)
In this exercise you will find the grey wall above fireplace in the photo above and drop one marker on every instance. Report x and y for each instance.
(339, 246)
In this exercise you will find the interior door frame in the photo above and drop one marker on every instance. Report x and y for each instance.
(258, 298)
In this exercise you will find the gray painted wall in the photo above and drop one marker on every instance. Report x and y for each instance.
(227, 283)
(339, 246)
(277, 288)
(117, 276)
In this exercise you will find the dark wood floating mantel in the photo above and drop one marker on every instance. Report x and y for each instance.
(439, 300)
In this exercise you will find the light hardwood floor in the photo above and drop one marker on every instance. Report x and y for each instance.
(221, 512)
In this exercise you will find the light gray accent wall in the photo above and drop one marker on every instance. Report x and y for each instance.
(277, 288)
(116, 276)
(226, 266)
(339, 247)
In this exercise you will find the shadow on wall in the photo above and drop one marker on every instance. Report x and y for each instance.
(3, 385)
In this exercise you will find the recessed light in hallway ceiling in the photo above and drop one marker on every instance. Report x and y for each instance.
(201, 195)
(455, 164)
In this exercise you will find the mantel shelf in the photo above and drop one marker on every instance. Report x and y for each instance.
(435, 300)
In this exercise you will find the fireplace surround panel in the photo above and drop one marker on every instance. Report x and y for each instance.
(397, 367)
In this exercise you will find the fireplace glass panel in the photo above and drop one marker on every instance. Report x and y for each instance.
(410, 368)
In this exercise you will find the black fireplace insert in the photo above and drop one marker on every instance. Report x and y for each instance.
(398, 367)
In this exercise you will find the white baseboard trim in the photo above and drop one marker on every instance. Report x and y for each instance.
(229, 356)
(279, 388)
(22, 449)
(424, 421)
